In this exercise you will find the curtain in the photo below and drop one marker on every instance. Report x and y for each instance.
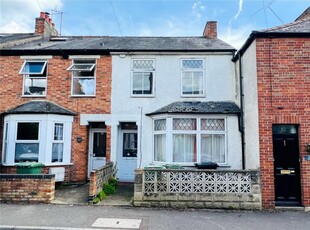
(184, 148)
(160, 147)
(213, 148)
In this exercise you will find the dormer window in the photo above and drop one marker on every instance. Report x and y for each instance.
(83, 77)
(35, 78)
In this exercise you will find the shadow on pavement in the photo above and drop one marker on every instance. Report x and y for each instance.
(77, 194)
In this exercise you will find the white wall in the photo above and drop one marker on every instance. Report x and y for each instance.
(249, 73)
(220, 86)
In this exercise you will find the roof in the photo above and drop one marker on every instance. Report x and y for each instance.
(40, 107)
(107, 44)
(197, 107)
(296, 29)
(305, 14)
(8, 40)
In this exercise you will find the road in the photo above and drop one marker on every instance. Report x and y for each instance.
(44, 216)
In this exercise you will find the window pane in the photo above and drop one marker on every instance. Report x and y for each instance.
(58, 132)
(83, 86)
(160, 147)
(184, 148)
(26, 152)
(33, 67)
(160, 125)
(192, 64)
(28, 131)
(213, 124)
(130, 144)
(213, 148)
(142, 82)
(143, 64)
(99, 144)
(192, 83)
(57, 152)
(34, 85)
(184, 124)
(82, 67)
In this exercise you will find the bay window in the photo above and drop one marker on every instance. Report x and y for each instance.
(43, 138)
(188, 140)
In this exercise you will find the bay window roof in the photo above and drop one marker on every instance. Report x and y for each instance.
(197, 107)
(39, 107)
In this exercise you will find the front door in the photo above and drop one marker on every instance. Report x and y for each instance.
(97, 149)
(128, 155)
(286, 165)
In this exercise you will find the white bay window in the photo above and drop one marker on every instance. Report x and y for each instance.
(43, 138)
(188, 140)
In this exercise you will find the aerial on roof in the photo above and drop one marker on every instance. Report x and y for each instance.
(197, 107)
(45, 107)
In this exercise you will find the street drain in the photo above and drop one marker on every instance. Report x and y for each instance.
(117, 223)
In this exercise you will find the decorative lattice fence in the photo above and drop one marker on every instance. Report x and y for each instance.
(201, 188)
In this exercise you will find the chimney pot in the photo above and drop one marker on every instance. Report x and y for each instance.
(210, 30)
(42, 14)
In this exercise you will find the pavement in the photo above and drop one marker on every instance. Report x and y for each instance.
(77, 194)
(70, 210)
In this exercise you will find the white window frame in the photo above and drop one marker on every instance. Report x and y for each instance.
(28, 141)
(133, 70)
(193, 70)
(198, 132)
(90, 69)
(34, 75)
(46, 137)
(59, 141)
(160, 132)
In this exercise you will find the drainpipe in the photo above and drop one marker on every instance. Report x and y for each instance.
(242, 112)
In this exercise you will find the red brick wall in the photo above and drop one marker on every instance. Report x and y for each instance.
(59, 91)
(27, 188)
(283, 74)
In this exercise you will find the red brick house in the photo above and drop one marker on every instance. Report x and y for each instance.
(274, 67)
(46, 85)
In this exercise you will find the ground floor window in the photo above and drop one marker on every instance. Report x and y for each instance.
(37, 138)
(187, 140)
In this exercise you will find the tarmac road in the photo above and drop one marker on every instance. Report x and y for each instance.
(13, 216)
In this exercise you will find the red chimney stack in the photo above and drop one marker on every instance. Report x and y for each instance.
(45, 26)
(210, 30)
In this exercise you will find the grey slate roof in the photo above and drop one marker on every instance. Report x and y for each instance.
(299, 26)
(40, 107)
(196, 107)
(110, 44)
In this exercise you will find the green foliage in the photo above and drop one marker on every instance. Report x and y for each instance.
(108, 189)
(101, 195)
(112, 181)
(96, 200)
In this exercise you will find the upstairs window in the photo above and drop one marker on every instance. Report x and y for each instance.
(35, 78)
(83, 77)
(143, 77)
(192, 77)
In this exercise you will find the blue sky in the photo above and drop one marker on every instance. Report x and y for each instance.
(236, 18)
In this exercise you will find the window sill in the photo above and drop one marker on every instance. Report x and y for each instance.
(47, 164)
(33, 96)
(142, 96)
(82, 96)
(191, 96)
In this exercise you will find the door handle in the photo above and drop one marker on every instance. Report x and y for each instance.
(284, 142)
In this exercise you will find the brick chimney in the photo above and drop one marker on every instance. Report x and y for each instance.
(210, 30)
(44, 25)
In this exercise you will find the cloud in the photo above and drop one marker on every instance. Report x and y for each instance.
(198, 8)
(18, 16)
(237, 36)
(240, 9)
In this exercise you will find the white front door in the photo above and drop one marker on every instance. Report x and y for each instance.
(128, 155)
(97, 149)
